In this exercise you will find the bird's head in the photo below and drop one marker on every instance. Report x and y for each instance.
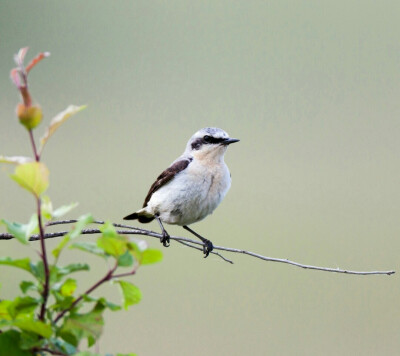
(209, 143)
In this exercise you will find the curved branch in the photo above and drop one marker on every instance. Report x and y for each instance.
(131, 230)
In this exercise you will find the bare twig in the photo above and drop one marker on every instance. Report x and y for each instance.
(131, 230)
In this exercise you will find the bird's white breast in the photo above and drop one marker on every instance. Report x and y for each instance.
(192, 194)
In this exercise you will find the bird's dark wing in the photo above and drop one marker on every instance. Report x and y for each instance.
(167, 176)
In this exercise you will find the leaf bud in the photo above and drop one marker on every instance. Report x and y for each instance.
(30, 116)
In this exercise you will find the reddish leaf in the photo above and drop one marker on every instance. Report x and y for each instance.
(36, 60)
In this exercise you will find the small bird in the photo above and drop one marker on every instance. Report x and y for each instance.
(191, 187)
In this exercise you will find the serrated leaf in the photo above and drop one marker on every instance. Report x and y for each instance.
(35, 326)
(15, 159)
(58, 120)
(90, 247)
(33, 176)
(23, 263)
(150, 256)
(130, 293)
(9, 344)
(68, 288)
(22, 232)
(62, 210)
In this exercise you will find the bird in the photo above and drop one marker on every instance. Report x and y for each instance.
(191, 187)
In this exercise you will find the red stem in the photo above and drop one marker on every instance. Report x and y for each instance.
(106, 278)
(37, 156)
(42, 242)
(45, 263)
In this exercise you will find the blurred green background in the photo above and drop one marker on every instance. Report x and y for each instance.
(311, 88)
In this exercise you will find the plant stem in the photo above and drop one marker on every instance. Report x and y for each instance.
(37, 156)
(45, 262)
(107, 277)
(42, 242)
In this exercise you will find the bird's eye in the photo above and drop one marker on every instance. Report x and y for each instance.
(207, 138)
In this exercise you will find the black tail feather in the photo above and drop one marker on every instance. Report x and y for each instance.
(133, 216)
(143, 219)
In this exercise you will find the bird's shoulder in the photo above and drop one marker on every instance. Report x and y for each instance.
(167, 175)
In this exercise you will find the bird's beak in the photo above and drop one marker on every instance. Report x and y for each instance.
(228, 141)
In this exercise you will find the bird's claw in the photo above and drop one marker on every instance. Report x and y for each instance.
(165, 239)
(207, 248)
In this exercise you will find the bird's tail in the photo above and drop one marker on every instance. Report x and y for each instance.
(140, 215)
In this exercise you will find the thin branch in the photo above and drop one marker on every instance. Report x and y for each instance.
(131, 230)
(37, 157)
(108, 277)
(46, 285)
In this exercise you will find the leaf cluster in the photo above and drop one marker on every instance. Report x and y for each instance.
(53, 314)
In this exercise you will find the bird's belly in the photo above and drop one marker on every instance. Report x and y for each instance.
(184, 202)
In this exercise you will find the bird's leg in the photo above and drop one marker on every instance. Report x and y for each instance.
(207, 247)
(165, 236)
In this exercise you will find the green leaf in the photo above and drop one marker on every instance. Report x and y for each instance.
(4, 313)
(32, 176)
(151, 256)
(26, 286)
(37, 269)
(9, 344)
(29, 340)
(62, 302)
(15, 159)
(130, 293)
(108, 229)
(58, 120)
(56, 252)
(90, 247)
(114, 246)
(35, 326)
(46, 207)
(59, 272)
(101, 303)
(62, 210)
(80, 225)
(80, 326)
(23, 263)
(125, 260)
(22, 232)
(75, 232)
(22, 306)
(68, 288)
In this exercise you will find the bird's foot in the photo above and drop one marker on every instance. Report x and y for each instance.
(207, 247)
(165, 239)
